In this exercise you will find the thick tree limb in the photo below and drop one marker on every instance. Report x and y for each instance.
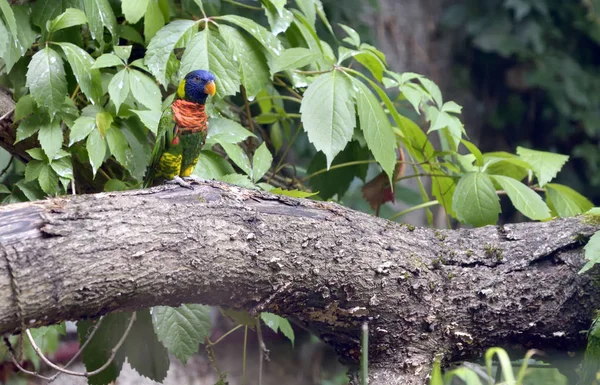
(422, 291)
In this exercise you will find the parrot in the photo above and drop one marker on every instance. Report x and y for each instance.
(182, 131)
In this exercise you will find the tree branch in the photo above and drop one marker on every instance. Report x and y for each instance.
(422, 291)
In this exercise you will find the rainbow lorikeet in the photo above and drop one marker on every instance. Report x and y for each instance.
(182, 131)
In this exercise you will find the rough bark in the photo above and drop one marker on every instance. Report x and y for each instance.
(423, 292)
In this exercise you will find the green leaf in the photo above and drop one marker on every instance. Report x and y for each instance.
(150, 119)
(46, 79)
(292, 193)
(212, 166)
(28, 127)
(260, 33)
(181, 330)
(545, 165)
(108, 60)
(452, 107)
(278, 17)
(69, 18)
(592, 252)
(527, 201)
(14, 46)
(277, 323)
(240, 317)
(223, 130)
(144, 351)
(117, 144)
(238, 180)
(9, 16)
(377, 129)
(115, 185)
(37, 153)
(251, 62)
(475, 201)
(24, 107)
(161, 46)
(88, 78)
(33, 169)
(208, 50)
(371, 62)
(238, 156)
(308, 9)
(327, 113)
(118, 88)
(81, 129)
(566, 201)
(261, 162)
(127, 32)
(96, 147)
(100, 15)
(154, 20)
(103, 121)
(4, 189)
(134, 9)
(51, 138)
(473, 150)
(432, 89)
(353, 37)
(123, 52)
(48, 180)
(294, 58)
(145, 90)
(63, 167)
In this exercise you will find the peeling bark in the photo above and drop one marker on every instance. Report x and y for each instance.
(423, 292)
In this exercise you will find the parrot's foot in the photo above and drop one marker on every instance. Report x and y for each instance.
(179, 181)
(194, 179)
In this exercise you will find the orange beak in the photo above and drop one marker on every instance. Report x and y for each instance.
(210, 88)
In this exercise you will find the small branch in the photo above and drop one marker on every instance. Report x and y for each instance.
(7, 166)
(242, 5)
(7, 114)
(16, 362)
(261, 350)
(115, 349)
(244, 355)
(209, 342)
(39, 353)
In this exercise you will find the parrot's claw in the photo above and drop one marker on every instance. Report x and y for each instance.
(194, 179)
(179, 181)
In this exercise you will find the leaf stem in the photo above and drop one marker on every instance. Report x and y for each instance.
(414, 208)
(347, 164)
(313, 72)
(244, 355)
(242, 5)
(223, 336)
(270, 97)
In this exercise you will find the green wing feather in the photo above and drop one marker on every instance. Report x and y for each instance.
(164, 136)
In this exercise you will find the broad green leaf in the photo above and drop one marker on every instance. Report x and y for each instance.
(24, 107)
(260, 33)
(37, 154)
(261, 162)
(223, 130)
(238, 180)
(442, 188)
(50, 137)
(29, 126)
(161, 46)
(9, 16)
(4, 189)
(100, 15)
(592, 252)
(475, 201)
(252, 65)
(81, 63)
(69, 18)
(81, 129)
(212, 166)
(63, 167)
(134, 9)
(377, 129)
(117, 144)
(278, 17)
(527, 201)
(103, 121)
(31, 190)
(45, 10)
(181, 330)
(371, 62)
(123, 52)
(154, 20)
(96, 148)
(507, 164)
(14, 46)
(566, 201)
(452, 107)
(33, 169)
(118, 88)
(353, 37)
(115, 185)
(328, 113)
(127, 32)
(292, 193)
(432, 89)
(150, 119)
(308, 9)
(277, 323)
(238, 156)
(46, 79)
(145, 90)
(144, 351)
(293, 58)
(138, 153)
(48, 180)
(545, 165)
(208, 50)
(473, 150)
(108, 60)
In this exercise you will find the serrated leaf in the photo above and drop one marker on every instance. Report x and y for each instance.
(252, 64)
(212, 166)
(261, 162)
(104, 120)
(545, 165)
(143, 349)
(14, 46)
(352, 34)
(145, 90)
(150, 119)
(371, 62)
(37, 153)
(50, 137)
(48, 179)
(134, 9)
(566, 201)
(31, 190)
(238, 156)
(475, 201)
(100, 15)
(69, 18)
(452, 107)
(377, 129)
(161, 46)
(88, 78)
(46, 79)
(238, 180)
(260, 33)
(24, 107)
(327, 113)
(108, 60)
(45, 10)
(118, 88)
(154, 20)
(277, 323)
(223, 130)
(294, 58)
(308, 9)
(96, 148)
(592, 252)
(527, 201)
(278, 17)
(33, 169)
(432, 89)
(63, 167)
(181, 330)
(292, 193)
(117, 144)
(28, 127)
(208, 50)
(81, 129)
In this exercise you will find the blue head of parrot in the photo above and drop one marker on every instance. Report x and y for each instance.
(196, 86)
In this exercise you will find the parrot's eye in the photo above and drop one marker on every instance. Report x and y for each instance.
(196, 78)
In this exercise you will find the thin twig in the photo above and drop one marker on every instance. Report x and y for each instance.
(242, 5)
(16, 363)
(6, 115)
(223, 336)
(244, 355)
(7, 166)
(38, 351)
(262, 351)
